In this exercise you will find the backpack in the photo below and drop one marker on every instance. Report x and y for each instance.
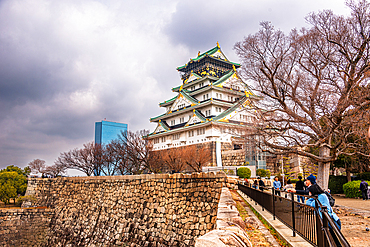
(331, 199)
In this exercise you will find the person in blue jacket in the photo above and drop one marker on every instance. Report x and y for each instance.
(315, 190)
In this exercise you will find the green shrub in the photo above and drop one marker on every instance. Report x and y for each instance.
(244, 172)
(21, 199)
(261, 172)
(351, 189)
(336, 184)
(268, 173)
(364, 176)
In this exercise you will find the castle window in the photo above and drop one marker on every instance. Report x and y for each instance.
(156, 140)
(201, 84)
(163, 139)
(192, 88)
(180, 106)
(191, 133)
(208, 113)
(175, 136)
(173, 122)
(201, 131)
(181, 119)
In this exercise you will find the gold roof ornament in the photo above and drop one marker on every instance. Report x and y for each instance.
(218, 45)
(234, 67)
(198, 53)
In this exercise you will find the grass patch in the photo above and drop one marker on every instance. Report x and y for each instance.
(264, 222)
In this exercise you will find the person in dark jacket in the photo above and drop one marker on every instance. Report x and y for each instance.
(300, 186)
(310, 180)
(363, 188)
(261, 184)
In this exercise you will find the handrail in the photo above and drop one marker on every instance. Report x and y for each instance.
(324, 232)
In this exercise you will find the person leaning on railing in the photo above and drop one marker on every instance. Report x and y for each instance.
(316, 191)
(310, 180)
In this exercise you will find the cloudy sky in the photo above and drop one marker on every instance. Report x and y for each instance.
(66, 64)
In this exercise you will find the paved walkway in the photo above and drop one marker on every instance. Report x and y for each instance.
(357, 206)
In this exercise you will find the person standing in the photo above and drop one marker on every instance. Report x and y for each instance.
(261, 184)
(288, 188)
(363, 188)
(277, 186)
(300, 186)
(310, 180)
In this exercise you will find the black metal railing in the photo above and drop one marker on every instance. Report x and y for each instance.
(304, 220)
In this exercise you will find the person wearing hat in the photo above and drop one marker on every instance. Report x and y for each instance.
(317, 192)
(310, 180)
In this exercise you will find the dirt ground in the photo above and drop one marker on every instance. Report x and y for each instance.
(355, 217)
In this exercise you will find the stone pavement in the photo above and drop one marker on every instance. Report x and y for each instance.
(283, 231)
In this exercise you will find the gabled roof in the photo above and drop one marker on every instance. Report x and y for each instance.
(225, 77)
(229, 75)
(168, 101)
(161, 125)
(243, 101)
(193, 76)
(196, 116)
(209, 53)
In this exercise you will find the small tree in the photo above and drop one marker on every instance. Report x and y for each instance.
(13, 182)
(244, 172)
(261, 172)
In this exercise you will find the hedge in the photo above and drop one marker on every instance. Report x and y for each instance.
(351, 189)
(244, 172)
(364, 176)
(336, 184)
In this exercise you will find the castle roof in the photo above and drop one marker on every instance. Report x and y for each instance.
(210, 53)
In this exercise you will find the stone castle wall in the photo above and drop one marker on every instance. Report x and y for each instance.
(24, 227)
(144, 210)
(233, 157)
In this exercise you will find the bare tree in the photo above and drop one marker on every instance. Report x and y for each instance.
(37, 166)
(175, 159)
(196, 157)
(138, 152)
(55, 170)
(83, 159)
(307, 80)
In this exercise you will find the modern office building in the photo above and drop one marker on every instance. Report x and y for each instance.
(106, 131)
(212, 107)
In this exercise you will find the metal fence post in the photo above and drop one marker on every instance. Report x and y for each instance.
(293, 213)
(319, 232)
(273, 202)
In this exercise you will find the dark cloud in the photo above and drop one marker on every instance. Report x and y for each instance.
(66, 64)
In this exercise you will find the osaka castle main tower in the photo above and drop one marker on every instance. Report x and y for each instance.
(211, 107)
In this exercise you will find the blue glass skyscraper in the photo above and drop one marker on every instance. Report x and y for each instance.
(106, 131)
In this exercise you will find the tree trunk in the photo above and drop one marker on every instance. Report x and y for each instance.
(348, 173)
(324, 168)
